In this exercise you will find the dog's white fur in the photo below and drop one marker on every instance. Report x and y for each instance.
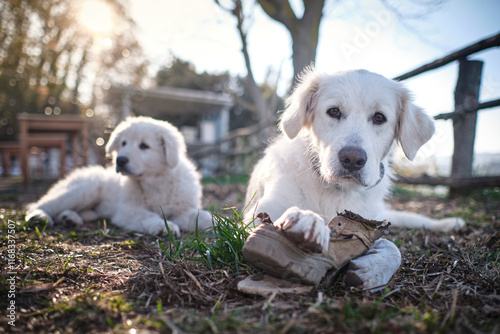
(301, 180)
(151, 177)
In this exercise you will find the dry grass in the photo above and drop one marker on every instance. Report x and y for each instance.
(105, 280)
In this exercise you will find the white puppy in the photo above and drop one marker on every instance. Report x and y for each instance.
(334, 155)
(151, 177)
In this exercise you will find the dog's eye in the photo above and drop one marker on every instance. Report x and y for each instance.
(143, 146)
(334, 112)
(124, 143)
(379, 118)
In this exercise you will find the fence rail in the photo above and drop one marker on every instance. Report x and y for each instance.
(460, 112)
(484, 44)
(461, 182)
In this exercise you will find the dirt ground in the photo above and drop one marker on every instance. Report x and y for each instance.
(100, 279)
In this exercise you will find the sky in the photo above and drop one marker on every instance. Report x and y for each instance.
(354, 34)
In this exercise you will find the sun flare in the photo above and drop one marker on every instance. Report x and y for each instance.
(96, 16)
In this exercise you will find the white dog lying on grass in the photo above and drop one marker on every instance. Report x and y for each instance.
(151, 176)
(334, 155)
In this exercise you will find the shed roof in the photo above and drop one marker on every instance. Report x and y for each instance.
(167, 100)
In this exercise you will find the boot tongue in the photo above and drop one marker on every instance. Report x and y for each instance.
(348, 227)
(369, 224)
(348, 221)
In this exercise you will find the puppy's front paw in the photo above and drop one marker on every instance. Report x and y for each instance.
(305, 228)
(204, 220)
(174, 229)
(39, 216)
(158, 227)
(68, 217)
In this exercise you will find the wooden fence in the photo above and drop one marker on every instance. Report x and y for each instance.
(464, 118)
(238, 152)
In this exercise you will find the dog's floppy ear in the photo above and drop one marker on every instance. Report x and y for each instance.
(414, 127)
(114, 140)
(300, 105)
(171, 151)
(172, 142)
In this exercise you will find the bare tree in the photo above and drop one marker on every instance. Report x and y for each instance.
(265, 111)
(304, 31)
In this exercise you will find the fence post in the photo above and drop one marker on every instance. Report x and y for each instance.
(464, 125)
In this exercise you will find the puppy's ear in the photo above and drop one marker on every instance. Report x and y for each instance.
(171, 149)
(301, 104)
(414, 127)
(114, 140)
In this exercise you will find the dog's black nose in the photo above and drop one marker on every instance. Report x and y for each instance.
(352, 158)
(121, 161)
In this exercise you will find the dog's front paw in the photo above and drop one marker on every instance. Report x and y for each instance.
(204, 221)
(448, 224)
(39, 216)
(373, 270)
(174, 229)
(305, 228)
(158, 227)
(69, 217)
(361, 275)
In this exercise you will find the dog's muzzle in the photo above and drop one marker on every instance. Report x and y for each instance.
(121, 165)
(352, 158)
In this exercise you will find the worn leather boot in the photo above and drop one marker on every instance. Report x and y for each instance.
(270, 249)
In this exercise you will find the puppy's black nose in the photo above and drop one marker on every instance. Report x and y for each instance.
(121, 161)
(352, 158)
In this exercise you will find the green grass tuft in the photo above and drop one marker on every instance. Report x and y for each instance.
(220, 247)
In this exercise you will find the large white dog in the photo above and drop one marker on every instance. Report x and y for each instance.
(334, 155)
(151, 176)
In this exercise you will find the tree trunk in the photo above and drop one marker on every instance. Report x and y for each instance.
(464, 127)
(305, 36)
(304, 31)
(251, 85)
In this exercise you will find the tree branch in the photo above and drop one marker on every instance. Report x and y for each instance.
(251, 85)
(281, 11)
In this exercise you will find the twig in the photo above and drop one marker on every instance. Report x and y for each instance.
(288, 325)
(390, 293)
(165, 279)
(171, 325)
(194, 279)
(268, 302)
(451, 313)
(44, 288)
(438, 286)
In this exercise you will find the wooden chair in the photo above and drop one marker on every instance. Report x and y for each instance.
(50, 131)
